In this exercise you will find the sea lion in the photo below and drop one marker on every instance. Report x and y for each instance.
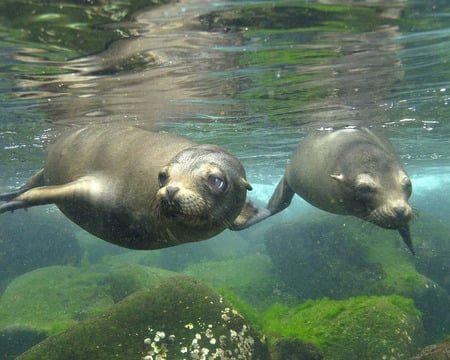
(140, 189)
(349, 171)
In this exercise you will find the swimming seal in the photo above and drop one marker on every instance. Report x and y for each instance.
(349, 171)
(140, 189)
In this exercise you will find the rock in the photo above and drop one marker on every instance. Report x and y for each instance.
(178, 318)
(336, 257)
(27, 244)
(439, 351)
(387, 327)
(317, 257)
(49, 300)
(433, 249)
(250, 277)
(16, 339)
(294, 349)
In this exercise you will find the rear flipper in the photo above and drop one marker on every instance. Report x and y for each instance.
(281, 197)
(36, 181)
(250, 215)
(41, 195)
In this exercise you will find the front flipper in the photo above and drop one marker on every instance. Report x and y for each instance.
(249, 215)
(49, 194)
(281, 197)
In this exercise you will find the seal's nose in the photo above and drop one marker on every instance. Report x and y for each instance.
(402, 212)
(171, 191)
(399, 211)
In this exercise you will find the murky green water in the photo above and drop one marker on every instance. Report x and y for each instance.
(250, 76)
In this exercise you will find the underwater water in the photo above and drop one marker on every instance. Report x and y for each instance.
(253, 77)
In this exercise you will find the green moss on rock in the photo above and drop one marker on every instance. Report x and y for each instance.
(357, 328)
(179, 318)
(251, 277)
(62, 294)
(49, 300)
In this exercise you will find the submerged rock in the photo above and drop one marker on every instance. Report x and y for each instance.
(318, 256)
(387, 327)
(251, 277)
(26, 245)
(439, 351)
(49, 300)
(178, 318)
(294, 349)
(339, 257)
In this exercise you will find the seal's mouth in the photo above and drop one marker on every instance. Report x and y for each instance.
(396, 218)
(182, 209)
(390, 217)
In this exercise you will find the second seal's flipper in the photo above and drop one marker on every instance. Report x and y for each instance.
(281, 198)
(49, 194)
(249, 215)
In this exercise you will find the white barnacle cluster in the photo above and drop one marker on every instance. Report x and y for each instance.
(205, 342)
(157, 345)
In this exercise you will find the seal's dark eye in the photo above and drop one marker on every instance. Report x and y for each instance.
(364, 190)
(162, 179)
(217, 183)
(407, 186)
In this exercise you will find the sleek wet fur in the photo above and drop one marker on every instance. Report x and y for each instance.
(139, 189)
(349, 171)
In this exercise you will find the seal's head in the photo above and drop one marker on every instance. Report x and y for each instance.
(202, 186)
(379, 194)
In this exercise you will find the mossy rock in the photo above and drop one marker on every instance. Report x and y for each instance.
(250, 277)
(317, 257)
(440, 351)
(433, 248)
(341, 257)
(178, 318)
(357, 328)
(49, 300)
(27, 244)
(290, 348)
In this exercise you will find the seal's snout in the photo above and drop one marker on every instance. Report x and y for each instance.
(399, 211)
(170, 192)
(168, 196)
(402, 213)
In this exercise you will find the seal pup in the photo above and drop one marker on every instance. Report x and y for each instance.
(140, 189)
(349, 171)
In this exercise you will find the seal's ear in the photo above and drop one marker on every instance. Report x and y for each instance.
(339, 177)
(246, 184)
(249, 215)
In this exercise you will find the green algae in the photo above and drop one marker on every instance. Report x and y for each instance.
(356, 328)
(54, 298)
(62, 294)
(174, 319)
(251, 277)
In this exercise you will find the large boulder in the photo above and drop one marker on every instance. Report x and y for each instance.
(440, 351)
(250, 277)
(387, 327)
(49, 300)
(33, 239)
(339, 257)
(178, 318)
